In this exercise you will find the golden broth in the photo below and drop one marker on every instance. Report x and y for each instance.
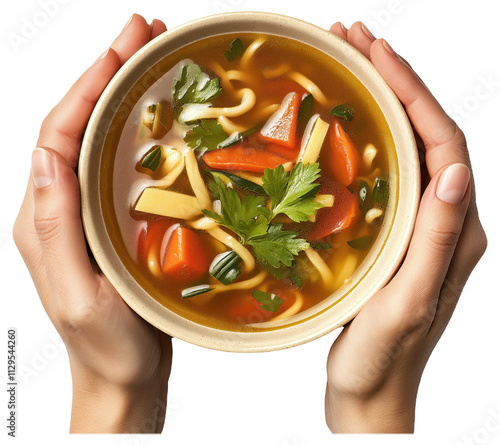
(125, 145)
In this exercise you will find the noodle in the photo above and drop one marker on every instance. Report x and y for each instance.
(221, 73)
(234, 244)
(276, 72)
(310, 86)
(250, 51)
(204, 223)
(319, 263)
(230, 127)
(196, 181)
(293, 309)
(193, 112)
(347, 270)
(240, 285)
(153, 263)
(172, 175)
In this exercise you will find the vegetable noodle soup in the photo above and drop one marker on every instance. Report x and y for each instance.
(249, 179)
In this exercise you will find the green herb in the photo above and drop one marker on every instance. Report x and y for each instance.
(206, 134)
(362, 243)
(196, 290)
(152, 158)
(192, 85)
(364, 197)
(238, 137)
(292, 194)
(269, 302)
(239, 182)
(381, 191)
(235, 51)
(343, 111)
(225, 268)
(306, 109)
(242, 217)
(318, 245)
(278, 246)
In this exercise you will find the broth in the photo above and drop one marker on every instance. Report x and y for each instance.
(139, 236)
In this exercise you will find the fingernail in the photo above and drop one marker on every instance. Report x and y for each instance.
(343, 28)
(103, 55)
(128, 23)
(389, 49)
(453, 184)
(367, 32)
(42, 168)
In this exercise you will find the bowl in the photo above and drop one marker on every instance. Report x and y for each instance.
(342, 306)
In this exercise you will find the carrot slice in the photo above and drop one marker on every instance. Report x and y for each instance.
(344, 212)
(344, 159)
(186, 260)
(281, 127)
(243, 158)
(151, 236)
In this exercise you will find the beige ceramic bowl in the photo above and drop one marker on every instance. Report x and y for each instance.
(376, 270)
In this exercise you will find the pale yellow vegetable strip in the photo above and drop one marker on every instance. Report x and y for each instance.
(319, 263)
(293, 309)
(348, 268)
(167, 203)
(252, 178)
(310, 86)
(233, 243)
(196, 181)
(310, 153)
(250, 51)
(251, 283)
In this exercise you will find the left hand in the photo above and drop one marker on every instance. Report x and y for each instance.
(119, 363)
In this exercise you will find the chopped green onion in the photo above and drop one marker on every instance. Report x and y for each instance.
(196, 290)
(225, 268)
(152, 158)
(361, 243)
(318, 245)
(381, 191)
(269, 302)
(343, 111)
(306, 109)
(235, 50)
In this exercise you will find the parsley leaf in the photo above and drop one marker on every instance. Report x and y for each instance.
(293, 194)
(235, 50)
(343, 111)
(242, 217)
(193, 85)
(278, 246)
(206, 134)
(269, 302)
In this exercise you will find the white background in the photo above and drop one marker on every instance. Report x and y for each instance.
(224, 398)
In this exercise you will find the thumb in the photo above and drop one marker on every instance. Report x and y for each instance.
(59, 227)
(437, 230)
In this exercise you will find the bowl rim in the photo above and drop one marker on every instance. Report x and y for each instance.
(310, 328)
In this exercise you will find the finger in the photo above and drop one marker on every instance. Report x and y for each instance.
(444, 142)
(133, 37)
(63, 128)
(339, 30)
(361, 38)
(437, 230)
(58, 224)
(157, 28)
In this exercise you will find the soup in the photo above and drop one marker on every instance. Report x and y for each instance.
(249, 179)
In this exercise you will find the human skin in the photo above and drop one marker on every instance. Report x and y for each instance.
(119, 363)
(375, 365)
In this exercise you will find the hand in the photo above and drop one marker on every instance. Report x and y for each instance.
(375, 365)
(119, 363)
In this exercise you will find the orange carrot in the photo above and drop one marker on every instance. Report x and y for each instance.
(340, 216)
(344, 158)
(243, 158)
(246, 309)
(281, 127)
(151, 237)
(185, 260)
